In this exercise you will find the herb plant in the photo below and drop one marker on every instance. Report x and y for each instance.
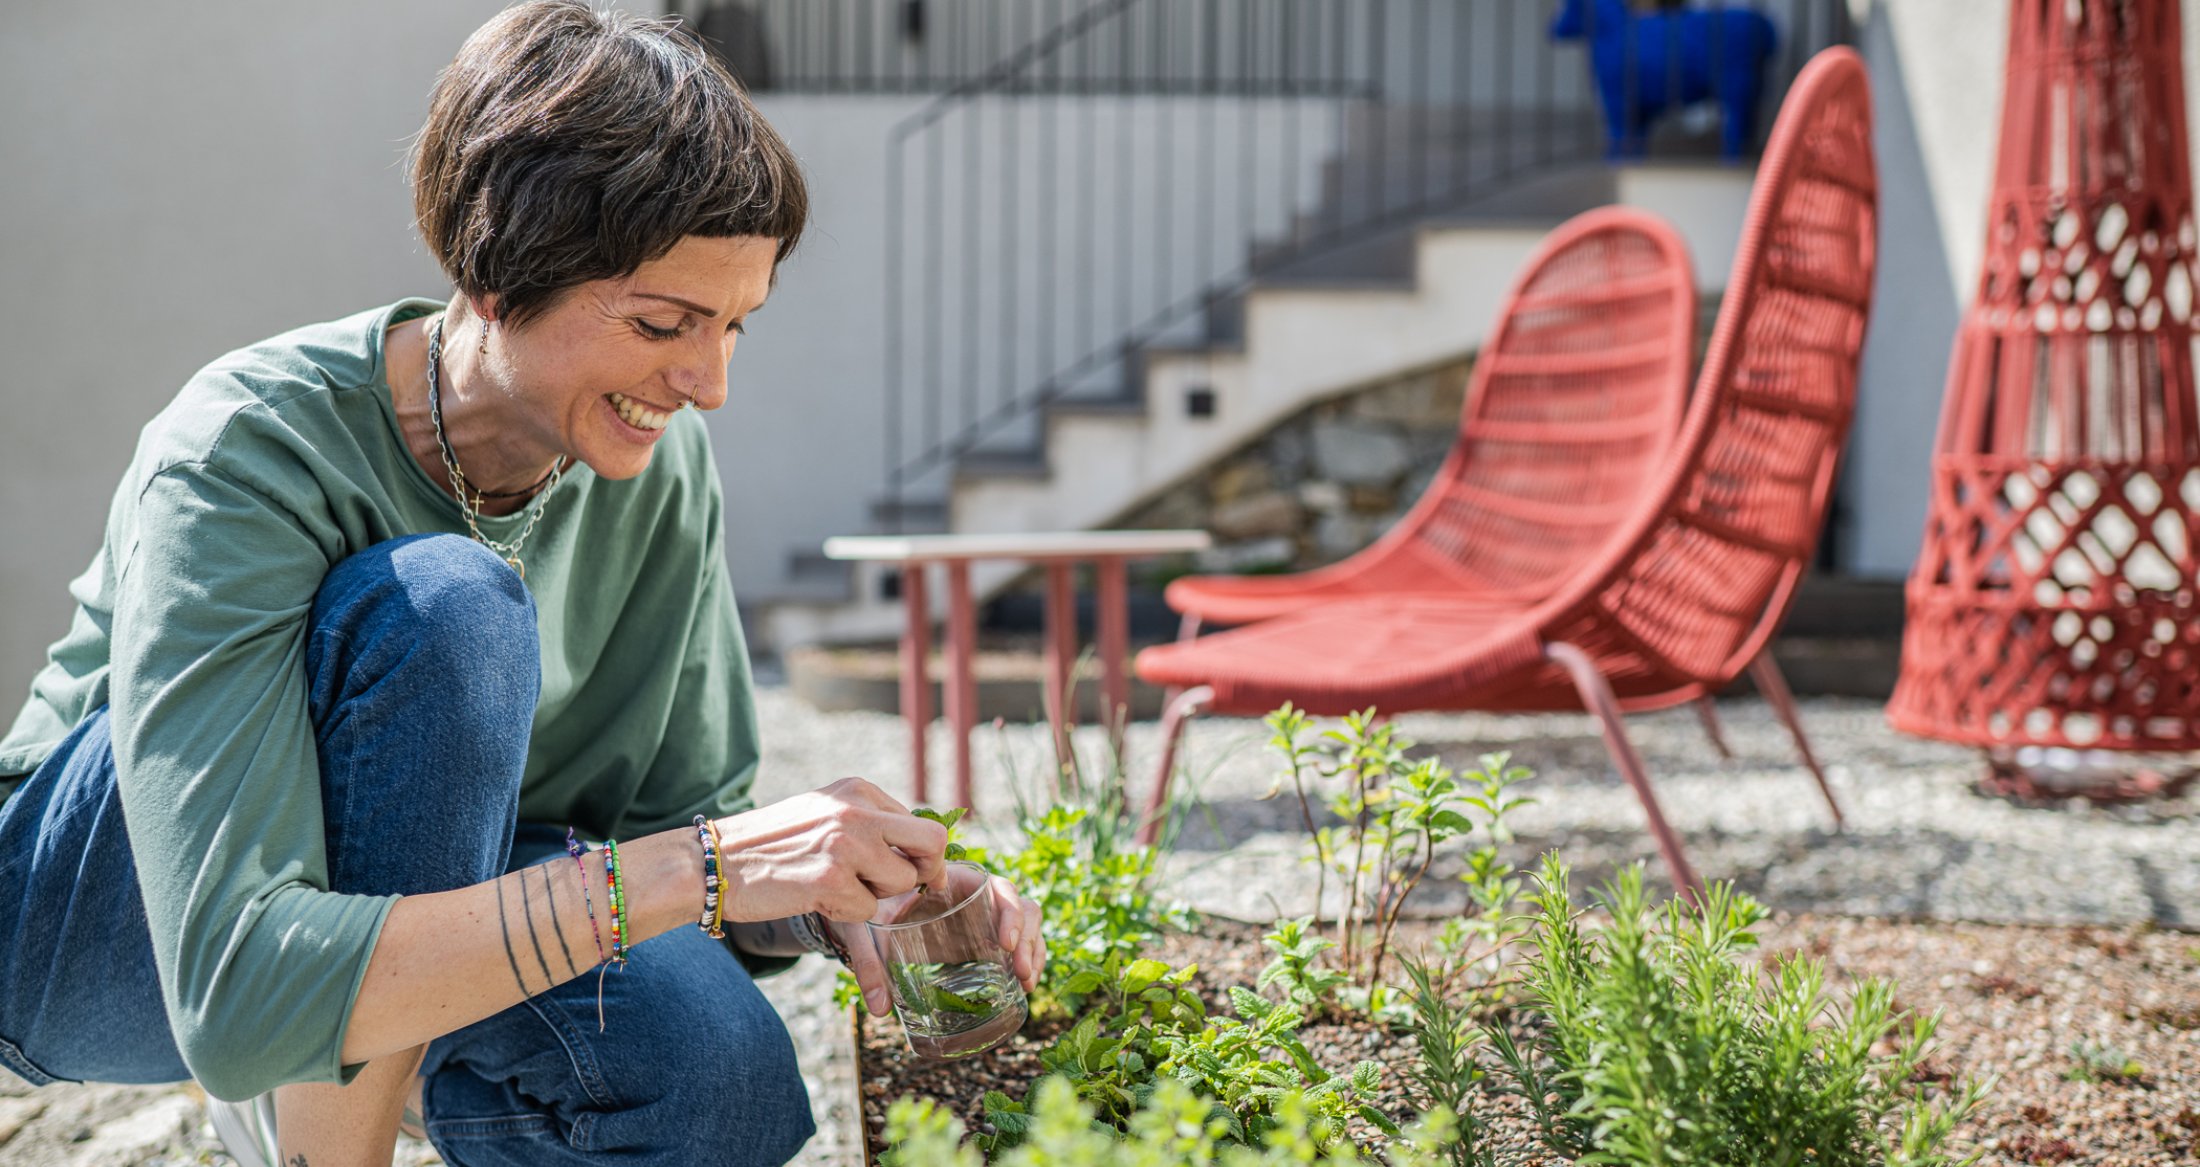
(2091, 1062)
(1229, 1061)
(1651, 1042)
(1298, 948)
(1173, 1127)
(1156, 1029)
(1095, 891)
(949, 819)
(1394, 815)
(1445, 1075)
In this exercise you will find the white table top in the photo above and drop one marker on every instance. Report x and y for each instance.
(1035, 545)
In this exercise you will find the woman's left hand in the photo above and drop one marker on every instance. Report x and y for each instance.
(1015, 923)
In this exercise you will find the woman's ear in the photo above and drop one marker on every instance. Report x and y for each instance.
(484, 307)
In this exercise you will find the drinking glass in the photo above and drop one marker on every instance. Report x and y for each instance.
(952, 984)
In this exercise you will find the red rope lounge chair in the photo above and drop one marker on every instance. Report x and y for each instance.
(1571, 411)
(1688, 594)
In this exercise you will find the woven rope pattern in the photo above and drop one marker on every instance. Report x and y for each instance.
(2053, 600)
(1704, 567)
(1572, 405)
(1694, 600)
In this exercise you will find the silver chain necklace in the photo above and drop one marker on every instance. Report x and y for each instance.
(471, 507)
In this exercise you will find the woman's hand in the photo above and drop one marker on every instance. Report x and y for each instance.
(1015, 924)
(837, 851)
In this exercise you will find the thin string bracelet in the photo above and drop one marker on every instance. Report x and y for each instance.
(578, 849)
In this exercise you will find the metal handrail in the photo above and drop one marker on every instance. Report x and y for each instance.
(1350, 120)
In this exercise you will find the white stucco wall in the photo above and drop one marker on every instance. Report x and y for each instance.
(177, 180)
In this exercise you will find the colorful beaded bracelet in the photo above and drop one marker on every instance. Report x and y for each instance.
(616, 895)
(578, 850)
(713, 921)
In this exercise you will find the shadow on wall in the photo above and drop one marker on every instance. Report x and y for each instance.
(1916, 308)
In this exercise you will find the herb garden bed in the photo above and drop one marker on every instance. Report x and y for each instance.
(2093, 1035)
(1227, 953)
(1546, 1024)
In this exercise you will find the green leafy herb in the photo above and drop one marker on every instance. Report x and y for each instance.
(1651, 1042)
(1298, 949)
(1397, 813)
(947, 818)
(2102, 1063)
(920, 982)
(1171, 1127)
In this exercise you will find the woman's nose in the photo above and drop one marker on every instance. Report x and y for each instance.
(704, 381)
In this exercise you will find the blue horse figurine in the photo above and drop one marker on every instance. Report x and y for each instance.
(1650, 63)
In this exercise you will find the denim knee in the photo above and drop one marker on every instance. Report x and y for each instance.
(423, 669)
(695, 1067)
(450, 596)
(725, 1075)
(750, 1095)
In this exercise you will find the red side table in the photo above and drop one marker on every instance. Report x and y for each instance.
(1060, 553)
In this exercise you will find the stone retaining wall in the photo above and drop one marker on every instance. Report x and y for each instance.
(1321, 485)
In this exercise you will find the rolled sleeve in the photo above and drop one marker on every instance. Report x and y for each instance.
(219, 777)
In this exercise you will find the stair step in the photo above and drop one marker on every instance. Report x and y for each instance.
(910, 516)
(1120, 406)
(812, 578)
(993, 464)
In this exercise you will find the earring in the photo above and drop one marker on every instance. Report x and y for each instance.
(483, 348)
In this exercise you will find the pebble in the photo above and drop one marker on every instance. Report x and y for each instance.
(14, 1112)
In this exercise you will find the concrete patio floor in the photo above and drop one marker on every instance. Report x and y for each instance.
(1919, 844)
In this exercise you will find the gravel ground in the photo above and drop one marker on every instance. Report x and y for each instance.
(1920, 845)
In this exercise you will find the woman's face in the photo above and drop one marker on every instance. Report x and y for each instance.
(599, 373)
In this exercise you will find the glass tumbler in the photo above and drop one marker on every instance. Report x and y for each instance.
(953, 987)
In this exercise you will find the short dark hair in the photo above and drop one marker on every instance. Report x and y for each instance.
(565, 145)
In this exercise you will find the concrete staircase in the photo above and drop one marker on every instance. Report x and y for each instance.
(1421, 294)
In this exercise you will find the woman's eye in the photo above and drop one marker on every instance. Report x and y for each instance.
(653, 332)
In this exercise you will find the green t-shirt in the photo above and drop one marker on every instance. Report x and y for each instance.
(273, 464)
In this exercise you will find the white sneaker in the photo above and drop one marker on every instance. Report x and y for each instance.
(246, 1129)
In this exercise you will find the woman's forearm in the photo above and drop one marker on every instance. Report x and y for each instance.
(448, 959)
(445, 960)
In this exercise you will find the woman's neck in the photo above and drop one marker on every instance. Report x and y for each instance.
(482, 437)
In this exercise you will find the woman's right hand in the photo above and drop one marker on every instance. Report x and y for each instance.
(837, 851)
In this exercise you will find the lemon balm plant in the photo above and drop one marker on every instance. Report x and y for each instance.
(1172, 1127)
(1154, 1030)
(1392, 816)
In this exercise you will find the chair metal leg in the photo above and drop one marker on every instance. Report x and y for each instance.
(1596, 696)
(916, 680)
(1774, 686)
(1059, 629)
(1707, 712)
(1187, 628)
(1180, 710)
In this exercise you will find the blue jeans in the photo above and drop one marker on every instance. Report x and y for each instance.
(423, 667)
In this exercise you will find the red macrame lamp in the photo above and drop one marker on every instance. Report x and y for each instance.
(2053, 604)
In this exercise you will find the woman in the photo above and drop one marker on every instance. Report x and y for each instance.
(388, 604)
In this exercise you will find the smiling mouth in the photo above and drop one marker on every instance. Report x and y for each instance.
(638, 415)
